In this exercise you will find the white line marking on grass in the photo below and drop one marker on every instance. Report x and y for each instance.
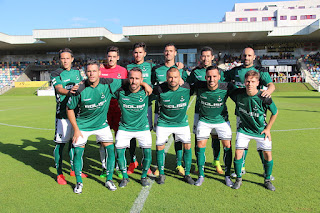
(144, 193)
(25, 127)
(289, 130)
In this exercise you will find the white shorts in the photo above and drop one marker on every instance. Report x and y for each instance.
(63, 131)
(223, 130)
(182, 134)
(143, 137)
(102, 135)
(242, 142)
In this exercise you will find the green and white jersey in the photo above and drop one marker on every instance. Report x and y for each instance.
(134, 109)
(67, 79)
(146, 68)
(212, 103)
(173, 105)
(197, 74)
(236, 76)
(93, 103)
(252, 112)
(159, 74)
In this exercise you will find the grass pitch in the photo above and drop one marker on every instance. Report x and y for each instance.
(27, 173)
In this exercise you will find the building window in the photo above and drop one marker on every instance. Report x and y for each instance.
(268, 18)
(293, 18)
(303, 17)
(291, 8)
(253, 19)
(241, 19)
(283, 17)
(254, 9)
(301, 7)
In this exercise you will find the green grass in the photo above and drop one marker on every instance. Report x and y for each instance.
(27, 175)
(31, 91)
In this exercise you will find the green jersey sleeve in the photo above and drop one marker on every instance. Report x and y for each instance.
(73, 101)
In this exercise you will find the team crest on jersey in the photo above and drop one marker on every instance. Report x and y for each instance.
(102, 96)
(144, 69)
(141, 99)
(119, 75)
(219, 99)
(77, 78)
(182, 99)
(255, 108)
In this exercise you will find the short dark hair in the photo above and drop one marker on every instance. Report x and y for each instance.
(137, 69)
(206, 48)
(93, 62)
(173, 69)
(113, 49)
(213, 67)
(252, 73)
(65, 50)
(170, 44)
(140, 44)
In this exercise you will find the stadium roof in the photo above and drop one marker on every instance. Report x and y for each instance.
(226, 32)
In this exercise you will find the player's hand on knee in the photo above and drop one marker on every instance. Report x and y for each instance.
(76, 136)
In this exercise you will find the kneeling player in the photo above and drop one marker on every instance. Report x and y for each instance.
(133, 103)
(252, 108)
(213, 115)
(173, 101)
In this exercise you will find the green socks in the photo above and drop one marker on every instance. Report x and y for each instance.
(132, 150)
(57, 153)
(71, 155)
(227, 158)
(110, 161)
(201, 160)
(187, 158)
(78, 162)
(216, 148)
(179, 152)
(146, 161)
(268, 165)
(245, 153)
(238, 166)
(122, 162)
(261, 156)
(160, 161)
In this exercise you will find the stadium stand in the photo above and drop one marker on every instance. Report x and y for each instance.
(10, 72)
(312, 63)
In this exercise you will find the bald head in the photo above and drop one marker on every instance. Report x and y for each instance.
(248, 56)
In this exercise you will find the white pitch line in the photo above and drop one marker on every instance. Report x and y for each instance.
(144, 193)
(25, 127)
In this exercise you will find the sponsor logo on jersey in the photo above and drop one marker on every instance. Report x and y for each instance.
(126, 99)
(239, 84)
(93, 106)
(199, 77)
(127, 106)
(203, 97)
(171, 106)
(208, 104)
(66, 80)
(88, 99)
(145, 75)
(68, 87)
(166, 100)
(251, 114)
(160, 75)
(242, 104)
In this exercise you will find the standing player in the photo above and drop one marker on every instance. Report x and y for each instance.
(159, 74)
(198, 74)
(213, 119)
(93, 99)
(173, 101)
(237, 76)
(64, 80)
(133, 103)
(139, 53)
(112, 70)
(251, 107)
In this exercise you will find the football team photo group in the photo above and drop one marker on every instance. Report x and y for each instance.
(146, 98)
